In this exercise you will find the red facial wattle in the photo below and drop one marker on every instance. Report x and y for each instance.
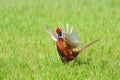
(58, 30)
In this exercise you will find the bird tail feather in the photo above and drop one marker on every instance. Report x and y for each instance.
(87, 45)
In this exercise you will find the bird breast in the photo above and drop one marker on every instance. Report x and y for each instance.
(65, 48)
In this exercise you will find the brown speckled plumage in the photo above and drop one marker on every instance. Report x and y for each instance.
(66, 42)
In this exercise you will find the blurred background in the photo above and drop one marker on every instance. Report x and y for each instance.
(28, 53)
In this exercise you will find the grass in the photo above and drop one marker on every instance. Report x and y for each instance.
(28, 53)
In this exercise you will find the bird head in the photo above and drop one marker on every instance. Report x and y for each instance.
(59, 32)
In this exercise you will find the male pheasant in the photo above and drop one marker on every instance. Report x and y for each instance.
(66, 42)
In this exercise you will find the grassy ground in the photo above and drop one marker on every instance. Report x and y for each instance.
(28, 53)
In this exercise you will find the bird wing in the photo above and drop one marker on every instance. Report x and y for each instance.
(71, 38)
(52, 35)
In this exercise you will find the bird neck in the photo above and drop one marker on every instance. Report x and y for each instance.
(60, 34)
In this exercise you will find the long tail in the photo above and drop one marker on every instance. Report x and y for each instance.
(88, 45)
(75, 53)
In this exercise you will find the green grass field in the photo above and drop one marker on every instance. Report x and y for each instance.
(28, 53)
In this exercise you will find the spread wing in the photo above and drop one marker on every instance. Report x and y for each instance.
(70, 37)
(52, 35)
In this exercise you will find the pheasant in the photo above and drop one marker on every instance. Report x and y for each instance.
(66, 42)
